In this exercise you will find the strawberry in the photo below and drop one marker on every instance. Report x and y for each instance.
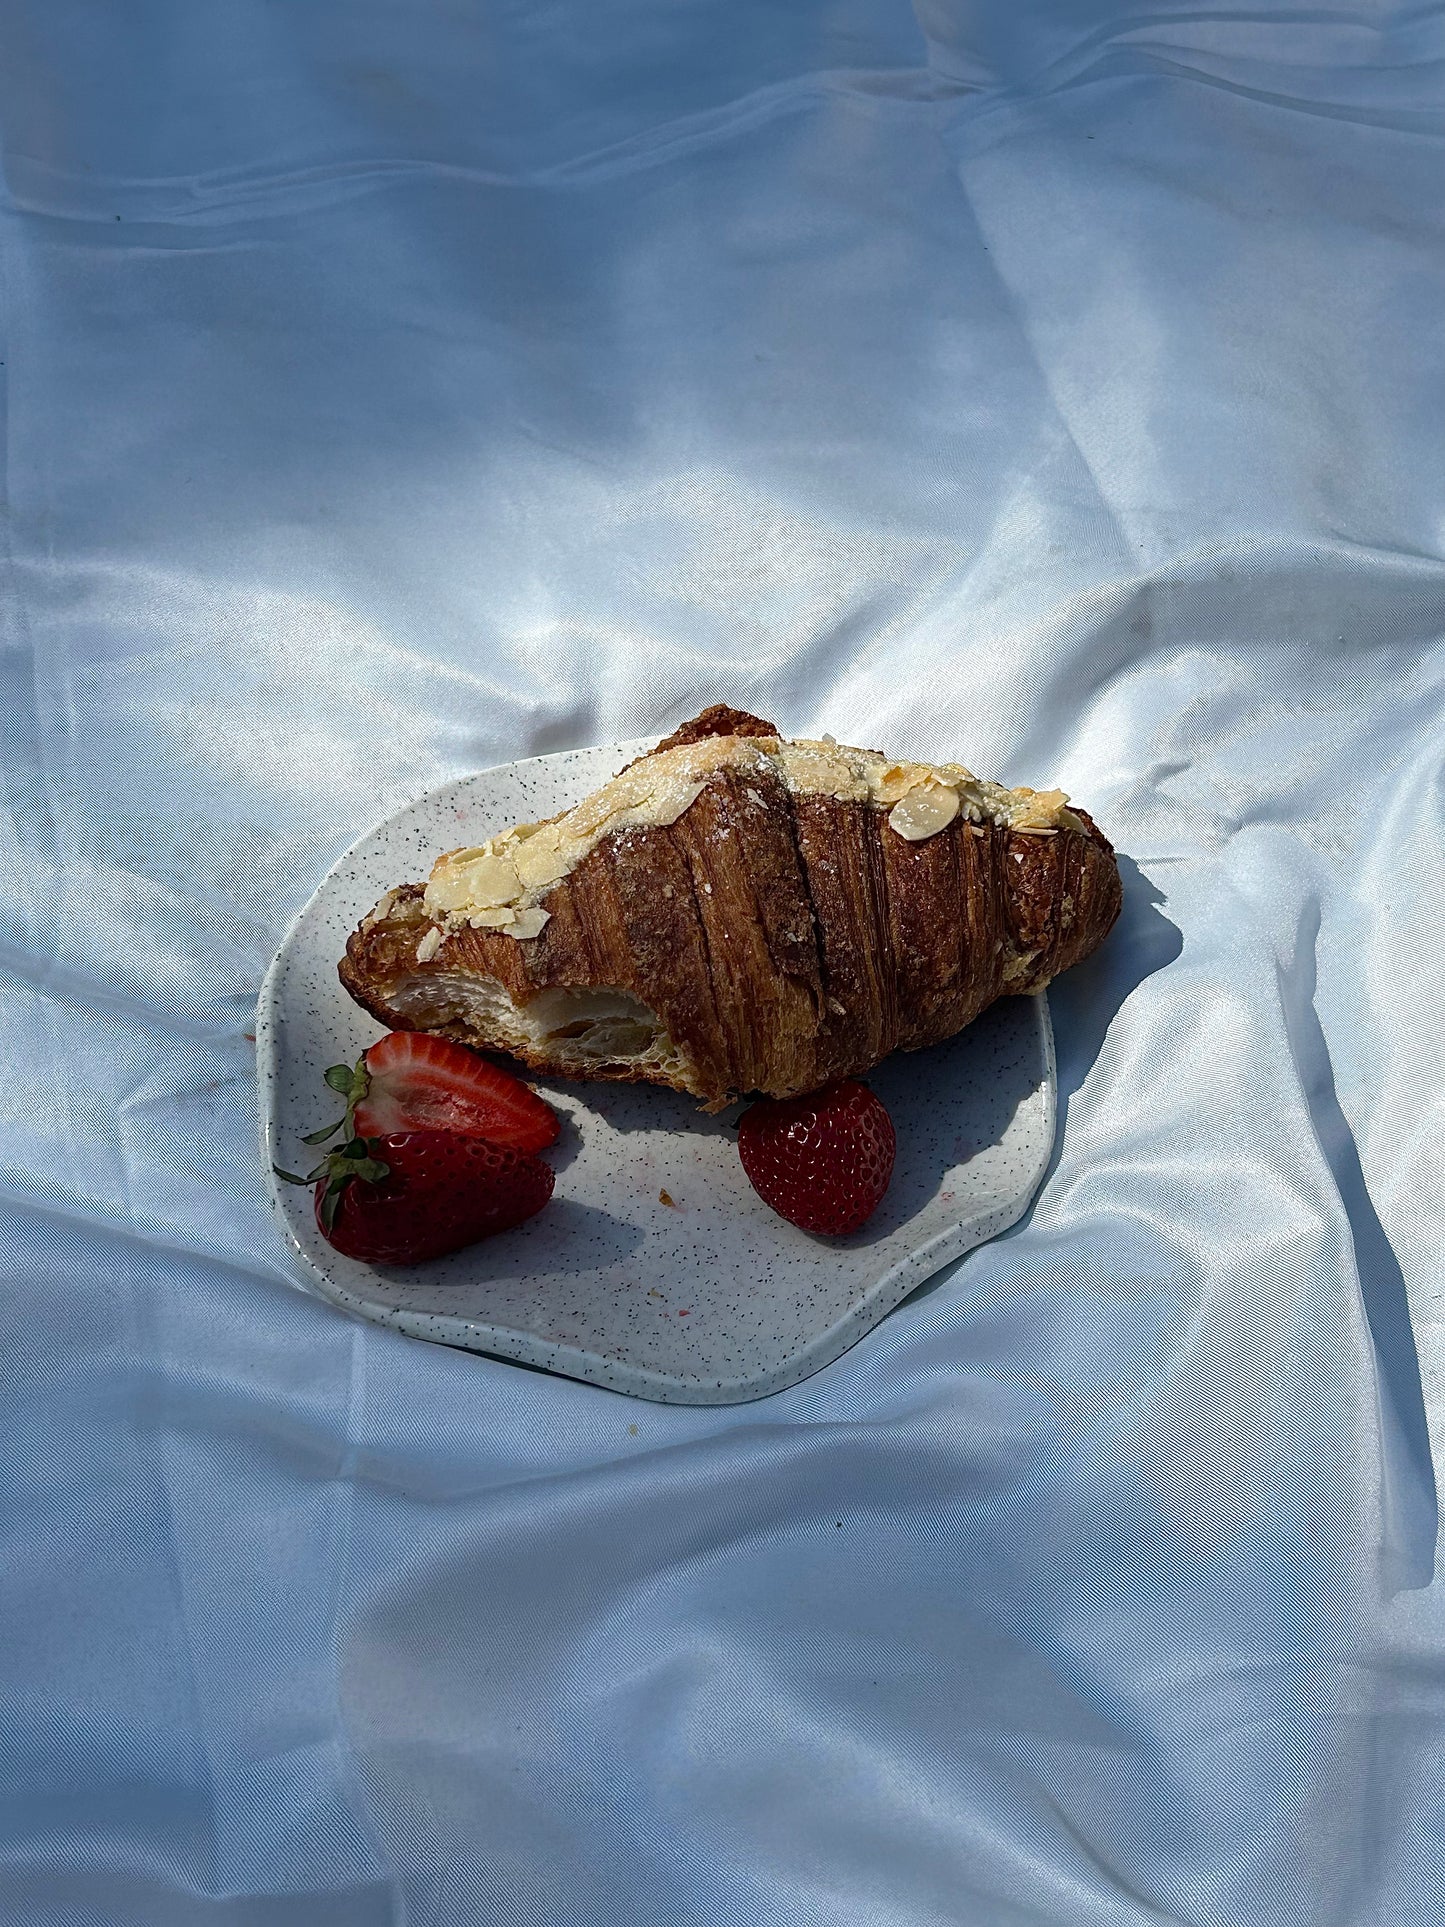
(822, 1162)
(405, 1196)
(410, 1080)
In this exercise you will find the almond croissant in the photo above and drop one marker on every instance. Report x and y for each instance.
(735, 913)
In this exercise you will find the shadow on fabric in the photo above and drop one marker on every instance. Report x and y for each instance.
(1084, 1003)
(1088, 998)
(1409, 1497)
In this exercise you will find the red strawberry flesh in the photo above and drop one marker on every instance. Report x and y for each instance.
(422, 1082)
(824, 1161)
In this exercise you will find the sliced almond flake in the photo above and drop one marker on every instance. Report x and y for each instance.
(923, 812)
(482, 882)
(531, 922)
(542, 860)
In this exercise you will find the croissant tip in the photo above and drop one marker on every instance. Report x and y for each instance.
(718, 719)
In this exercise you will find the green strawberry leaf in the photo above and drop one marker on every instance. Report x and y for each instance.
(352, 1161)
(352, 1082)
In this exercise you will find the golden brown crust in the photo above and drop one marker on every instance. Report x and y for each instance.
(751, 905)
(781, 939)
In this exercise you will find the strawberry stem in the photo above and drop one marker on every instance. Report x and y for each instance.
(351, 1081)
(354, 1157)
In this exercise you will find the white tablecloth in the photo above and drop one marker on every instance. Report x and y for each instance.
(396, 388)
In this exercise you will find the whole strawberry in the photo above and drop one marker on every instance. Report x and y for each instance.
(406, 1196)
(822, 1162)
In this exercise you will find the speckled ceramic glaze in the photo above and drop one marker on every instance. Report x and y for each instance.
(710, 1299)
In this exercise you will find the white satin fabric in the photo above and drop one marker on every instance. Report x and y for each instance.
(398, 388)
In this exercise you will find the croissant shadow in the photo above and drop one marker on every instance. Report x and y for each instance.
(949, 1103)
(1084, 1002)
(1089, 997)
(947, 1109)
(631, 1107)
(938, 1126)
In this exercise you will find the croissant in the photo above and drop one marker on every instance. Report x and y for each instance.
(736, 913)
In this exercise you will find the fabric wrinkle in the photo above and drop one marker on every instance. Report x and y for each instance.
(395, 392)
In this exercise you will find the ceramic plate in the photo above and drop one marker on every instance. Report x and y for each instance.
(710, 1299)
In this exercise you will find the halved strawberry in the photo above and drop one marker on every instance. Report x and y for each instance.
(418, 1082)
